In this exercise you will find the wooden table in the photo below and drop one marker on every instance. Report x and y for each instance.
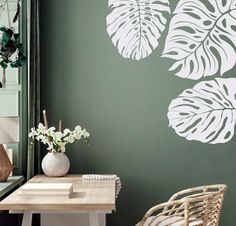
(95, 197)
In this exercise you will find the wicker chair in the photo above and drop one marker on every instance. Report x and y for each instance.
(199, 206)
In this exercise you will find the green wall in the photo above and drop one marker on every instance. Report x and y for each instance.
(123, 104)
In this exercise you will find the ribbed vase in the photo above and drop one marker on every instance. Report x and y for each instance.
(55, 164)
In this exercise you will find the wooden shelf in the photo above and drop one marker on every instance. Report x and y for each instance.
(10, 184)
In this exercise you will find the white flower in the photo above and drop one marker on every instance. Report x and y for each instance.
(77, 136)
(44, 140)
(56, 140)
(71, 139)
(66, 132)
(78, 128)
(58, 135)
(41, 129)
(85, 133)
(62, 146)
(63, 149)
(50, 146)
(52, 129)
(33, 133)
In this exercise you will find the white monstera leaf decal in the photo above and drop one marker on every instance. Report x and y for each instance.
(136, 25)
(207, 112)
(202, 38)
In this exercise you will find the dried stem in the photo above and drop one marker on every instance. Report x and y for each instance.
(45, 120)
(60, 126)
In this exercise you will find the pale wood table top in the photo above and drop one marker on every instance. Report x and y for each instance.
(87, 195)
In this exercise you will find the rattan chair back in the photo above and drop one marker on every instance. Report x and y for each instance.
(199, 206)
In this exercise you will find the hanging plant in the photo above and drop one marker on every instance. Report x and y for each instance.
(9, 44)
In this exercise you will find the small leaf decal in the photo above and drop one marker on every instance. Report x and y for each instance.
(202, 38)
(207, 112)
(136, 25)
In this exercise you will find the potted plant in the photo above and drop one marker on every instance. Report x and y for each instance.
(56, 163)
(10, 44)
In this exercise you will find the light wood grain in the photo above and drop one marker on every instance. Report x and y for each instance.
(87, 195)
(56, 190)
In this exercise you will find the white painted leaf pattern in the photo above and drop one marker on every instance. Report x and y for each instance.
(136, 25)
(207, 112)
(202, 38)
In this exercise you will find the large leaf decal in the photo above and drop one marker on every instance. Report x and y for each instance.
(202, 38)
(207, 112)
(136, 25)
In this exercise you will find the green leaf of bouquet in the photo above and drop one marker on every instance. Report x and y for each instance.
(17, 38)
(14, 64)
(20, 47)
(3, 29)
(3, 64)
(10, 41)
(10, 31)
(6, 37)
(20, 62)
(23, 61)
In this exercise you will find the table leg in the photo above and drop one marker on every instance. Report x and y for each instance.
(102, 219)
(93, 218)
(27, 218)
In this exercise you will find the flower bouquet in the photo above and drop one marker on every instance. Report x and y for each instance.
(57, 140)
(56, 163)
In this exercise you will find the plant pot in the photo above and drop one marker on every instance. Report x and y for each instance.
(55, 164)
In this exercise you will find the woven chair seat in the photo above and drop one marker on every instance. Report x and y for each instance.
(169, 221)
(199, 206)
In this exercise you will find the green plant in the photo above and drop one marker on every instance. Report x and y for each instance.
(57, 140)
(9, 44)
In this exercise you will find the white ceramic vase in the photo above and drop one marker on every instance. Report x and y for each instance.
(55, 164)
